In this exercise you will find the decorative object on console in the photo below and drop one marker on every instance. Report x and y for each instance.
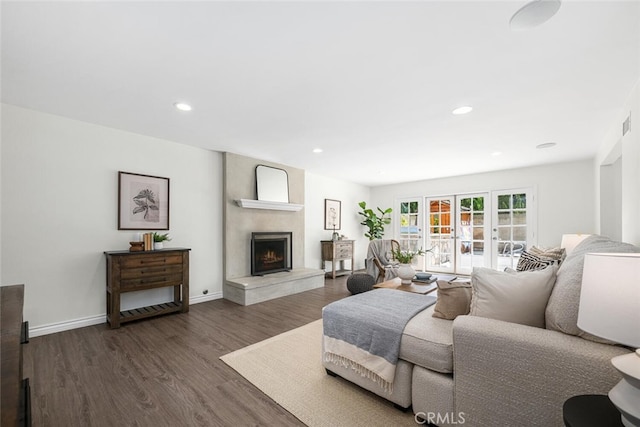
(159, 239)
(610, 308)
(374, 222)
(570, 241)
(136, 246)
(143, 202)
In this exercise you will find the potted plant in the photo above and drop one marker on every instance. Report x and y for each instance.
(375, 221)
(406, 272)
(159, 239)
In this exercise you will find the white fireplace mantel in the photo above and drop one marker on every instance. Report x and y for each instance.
(262, 204)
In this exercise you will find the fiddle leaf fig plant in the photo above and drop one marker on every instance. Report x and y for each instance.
(375, 221)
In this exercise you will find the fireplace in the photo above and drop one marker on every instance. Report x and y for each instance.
(270, 252)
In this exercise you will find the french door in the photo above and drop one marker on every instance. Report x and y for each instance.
(409, 230)
(513, 226)
(465, 231)
(459, 233)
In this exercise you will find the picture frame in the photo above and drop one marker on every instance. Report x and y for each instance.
(332, 214)
(143, 202)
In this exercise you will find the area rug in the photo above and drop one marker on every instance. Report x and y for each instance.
(288, 368)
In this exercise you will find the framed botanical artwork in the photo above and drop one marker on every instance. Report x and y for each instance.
(332, 214)
(143, 202)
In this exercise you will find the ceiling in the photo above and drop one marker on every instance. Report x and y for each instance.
(371, 83)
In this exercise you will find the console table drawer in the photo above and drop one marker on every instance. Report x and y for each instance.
(147, 272)
(150, 260)
(151, 281)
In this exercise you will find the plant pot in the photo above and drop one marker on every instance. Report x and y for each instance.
(158, 245)
(406, 273)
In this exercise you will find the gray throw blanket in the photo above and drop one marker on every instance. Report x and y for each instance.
(363, 332)
(380, 249)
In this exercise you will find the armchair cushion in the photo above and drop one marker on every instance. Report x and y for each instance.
(512, 297)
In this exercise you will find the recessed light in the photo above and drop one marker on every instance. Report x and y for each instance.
(496, 153)
(182, 106)
(546, 145)
(317, 150)
(534, 13)
(462, 110)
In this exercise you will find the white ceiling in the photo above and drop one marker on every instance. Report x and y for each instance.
(371, 83)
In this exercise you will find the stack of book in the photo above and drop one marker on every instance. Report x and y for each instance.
(424, 278)
(147, 238)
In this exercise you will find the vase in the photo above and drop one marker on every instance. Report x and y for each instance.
(158, 245)
(406, 273)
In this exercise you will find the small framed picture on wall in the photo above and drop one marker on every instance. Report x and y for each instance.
(143, 202)
(332, 214)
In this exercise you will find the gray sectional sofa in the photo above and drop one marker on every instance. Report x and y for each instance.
(485, 372)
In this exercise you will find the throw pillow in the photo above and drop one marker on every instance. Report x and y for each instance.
(549, 253)
(454, 299)
(517, 298)
(562, 310)
(529, 261)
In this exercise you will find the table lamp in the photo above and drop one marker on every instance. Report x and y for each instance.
(610, 308)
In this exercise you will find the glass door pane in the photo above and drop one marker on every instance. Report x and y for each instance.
(410, 229)
(473, 237)
(440, 237)
(513, 227)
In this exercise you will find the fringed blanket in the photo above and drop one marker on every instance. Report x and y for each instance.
(363, 332)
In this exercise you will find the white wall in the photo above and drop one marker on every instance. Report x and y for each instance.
(628, 147)
(565, 194)
(350, 194)
(59, 212)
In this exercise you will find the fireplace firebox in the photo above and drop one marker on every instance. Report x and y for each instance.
(271, 252)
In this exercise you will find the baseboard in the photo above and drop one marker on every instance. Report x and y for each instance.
(67, 325)
(204, 298)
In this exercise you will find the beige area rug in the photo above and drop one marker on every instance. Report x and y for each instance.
(288, 368)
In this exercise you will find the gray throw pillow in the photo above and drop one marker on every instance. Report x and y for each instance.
(513, 297)
(562, 310)
(454, 299)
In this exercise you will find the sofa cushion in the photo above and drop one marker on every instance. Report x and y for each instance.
(428, 342)
(562, 309)
(454, 299)
(512, 297)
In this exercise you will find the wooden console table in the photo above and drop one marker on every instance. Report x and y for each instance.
(15, 402)
(337, 251)
(137, 271)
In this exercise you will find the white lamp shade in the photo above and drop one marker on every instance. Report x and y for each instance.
(570, 241)
(610, 297)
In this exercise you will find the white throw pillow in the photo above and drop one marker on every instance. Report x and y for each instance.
(513, 297)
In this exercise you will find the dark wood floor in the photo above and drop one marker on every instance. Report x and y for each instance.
(165, 371)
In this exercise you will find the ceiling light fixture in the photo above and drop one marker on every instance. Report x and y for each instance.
(317, 150)
(496, 153)
(546, 145)
(462, 110)
(534, 13)
(182, 106)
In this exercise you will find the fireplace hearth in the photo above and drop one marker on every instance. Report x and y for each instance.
(271, 252)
